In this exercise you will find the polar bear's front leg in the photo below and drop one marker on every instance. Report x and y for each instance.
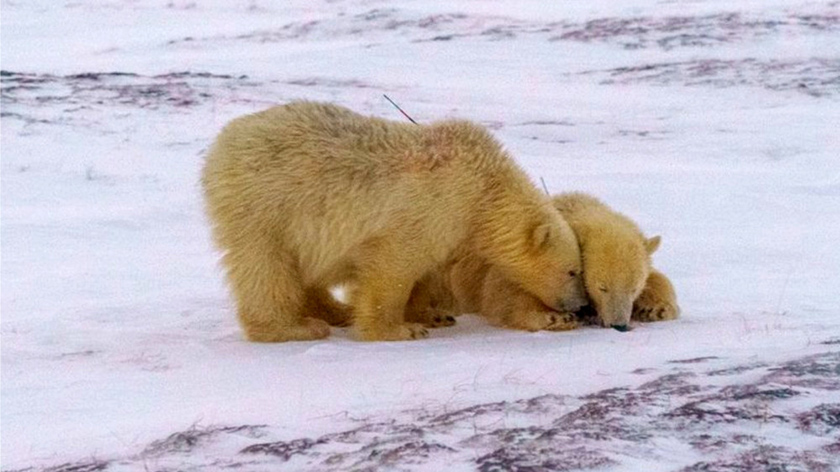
(431, 302)
(504, 304)
(379, 304)
(386, 276)
(542, 320)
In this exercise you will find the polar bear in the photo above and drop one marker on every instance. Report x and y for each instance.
(617, 274)
(306, 196)
(617, 263)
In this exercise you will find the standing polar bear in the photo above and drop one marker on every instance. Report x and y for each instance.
(306, 196)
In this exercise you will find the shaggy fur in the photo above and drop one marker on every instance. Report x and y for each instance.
(306, 196)
(616, 261)
(616, 272)
(432, 303)
(658, 300)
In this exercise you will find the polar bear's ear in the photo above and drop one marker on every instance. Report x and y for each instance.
(652, 244)
(541, 235)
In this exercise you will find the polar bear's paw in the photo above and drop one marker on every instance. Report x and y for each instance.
(655, 312)
(400, 332)
(543, 320)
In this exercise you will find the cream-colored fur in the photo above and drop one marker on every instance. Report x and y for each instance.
(431, 302)
(306, 196)
(616, 271)
(616, 255)
(508, 305)
(658, 300)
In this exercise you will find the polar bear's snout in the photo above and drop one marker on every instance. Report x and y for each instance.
(615, 310)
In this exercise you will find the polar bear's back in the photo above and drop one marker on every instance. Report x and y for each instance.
(325, 180)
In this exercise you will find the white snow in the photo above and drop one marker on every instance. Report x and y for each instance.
(117, 329)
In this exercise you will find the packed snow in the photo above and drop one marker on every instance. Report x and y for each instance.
(712, 123)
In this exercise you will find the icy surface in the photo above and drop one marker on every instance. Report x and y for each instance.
(712, 123)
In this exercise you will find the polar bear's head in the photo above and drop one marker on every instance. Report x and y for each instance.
(540, 253)
(614, 252)
(615, 268)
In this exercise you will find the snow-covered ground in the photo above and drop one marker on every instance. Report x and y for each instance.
(713, 123)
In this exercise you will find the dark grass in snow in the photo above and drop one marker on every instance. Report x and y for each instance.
(637, 32)
(178, 89)
(32, 98)
(782, 417)
(814, 76)
(136, 301)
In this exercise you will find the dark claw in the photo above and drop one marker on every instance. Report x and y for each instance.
(644, 314)
(450, 319)
(437, 319)
(621, 328)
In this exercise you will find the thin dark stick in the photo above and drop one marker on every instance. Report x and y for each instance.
(544, 186)
(400, 109)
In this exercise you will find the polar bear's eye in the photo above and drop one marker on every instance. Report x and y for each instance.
(573, 273)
